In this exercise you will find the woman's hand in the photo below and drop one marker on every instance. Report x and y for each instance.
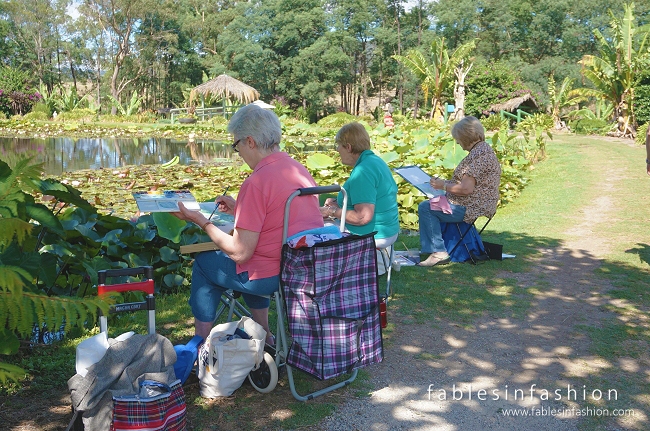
(328, 211)
(192, 216)
(331, 202)
(225, 204)
(437, 183)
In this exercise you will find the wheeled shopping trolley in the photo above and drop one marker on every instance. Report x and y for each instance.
(146, 286)
(329, 296)
(328, 306)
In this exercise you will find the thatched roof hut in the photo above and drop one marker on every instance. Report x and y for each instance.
(227, 87)
(526, 100)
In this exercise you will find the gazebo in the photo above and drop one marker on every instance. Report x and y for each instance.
(514, 103)
(228, 88)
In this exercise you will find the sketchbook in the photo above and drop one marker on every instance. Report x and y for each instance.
(419, 179)
(223, 221)
(165, 201)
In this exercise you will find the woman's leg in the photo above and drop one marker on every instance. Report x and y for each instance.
(430, 230)
(215, 272)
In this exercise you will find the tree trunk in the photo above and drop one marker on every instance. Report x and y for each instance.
(74, 77)
(459, 89)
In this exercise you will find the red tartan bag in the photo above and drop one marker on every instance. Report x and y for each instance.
(157, 407)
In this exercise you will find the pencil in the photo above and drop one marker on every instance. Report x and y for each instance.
(215, 205)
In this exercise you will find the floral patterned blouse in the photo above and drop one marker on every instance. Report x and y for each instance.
(482, 164)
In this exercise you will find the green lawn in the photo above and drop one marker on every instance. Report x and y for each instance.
(577, 173)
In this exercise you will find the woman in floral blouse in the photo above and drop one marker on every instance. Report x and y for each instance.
(472, 192)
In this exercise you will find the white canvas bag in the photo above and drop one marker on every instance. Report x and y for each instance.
(225, 361)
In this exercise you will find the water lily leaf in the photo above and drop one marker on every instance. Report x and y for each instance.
(452, 155)
(57, 249)
(407, 200)
(47, 271)
(168, 254)
(169, 227)
(135, 260)
(112, 237)
(93, 265)
(389, 157)
(409, 219)
(319, 161)
(173, 280)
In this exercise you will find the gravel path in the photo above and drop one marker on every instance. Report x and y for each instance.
(543, 349)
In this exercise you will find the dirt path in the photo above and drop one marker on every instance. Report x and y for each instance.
(544, 350)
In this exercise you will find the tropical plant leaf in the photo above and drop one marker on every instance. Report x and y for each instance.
(169, 227)
(11, 372)
(319, 161)
(45, 218)
(9, 342)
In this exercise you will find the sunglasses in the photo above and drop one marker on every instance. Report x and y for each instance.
(234, 145)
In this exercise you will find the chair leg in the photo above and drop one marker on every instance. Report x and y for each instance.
(387, 259)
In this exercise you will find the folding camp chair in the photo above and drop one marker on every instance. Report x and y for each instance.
(387, 256)
(464, 235)
(329, 297)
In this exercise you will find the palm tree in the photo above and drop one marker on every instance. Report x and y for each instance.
(562, 97)
(438, 75)
(616, 70)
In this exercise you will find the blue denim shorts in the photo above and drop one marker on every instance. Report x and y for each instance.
(213, 273)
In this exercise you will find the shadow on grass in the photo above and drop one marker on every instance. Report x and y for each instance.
(555, 318)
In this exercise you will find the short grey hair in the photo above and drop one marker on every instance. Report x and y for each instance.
(468, 131)
(260, 124)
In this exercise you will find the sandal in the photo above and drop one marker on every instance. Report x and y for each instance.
(434, 260)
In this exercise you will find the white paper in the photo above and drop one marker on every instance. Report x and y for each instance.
(420, 179)
(165, 201)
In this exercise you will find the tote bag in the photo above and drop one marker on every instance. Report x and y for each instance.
(226, 357)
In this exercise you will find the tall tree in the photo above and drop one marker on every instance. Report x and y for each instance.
(35, 31)
(436, 75)
(561, 97)
(122, 21)
(617, 69)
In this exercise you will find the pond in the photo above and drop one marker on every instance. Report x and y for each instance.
(60, 155)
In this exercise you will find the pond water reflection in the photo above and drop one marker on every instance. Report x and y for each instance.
(65, 154)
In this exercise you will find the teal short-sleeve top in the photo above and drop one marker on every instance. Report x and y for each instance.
(371, 182)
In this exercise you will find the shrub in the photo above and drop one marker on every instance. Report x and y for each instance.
(495, 122)
(336, 120)
(642, 103)
(81, 114)
(640, 134)
(544, 121)
(43, 108)
(36, 115)
(218, 120)
(590, 126)
(491, 83)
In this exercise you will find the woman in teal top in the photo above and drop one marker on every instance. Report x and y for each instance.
(371, 188)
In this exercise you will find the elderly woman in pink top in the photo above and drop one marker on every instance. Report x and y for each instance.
(249, 260)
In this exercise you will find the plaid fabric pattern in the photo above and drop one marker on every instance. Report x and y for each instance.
(163, 412)
(332, 300)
